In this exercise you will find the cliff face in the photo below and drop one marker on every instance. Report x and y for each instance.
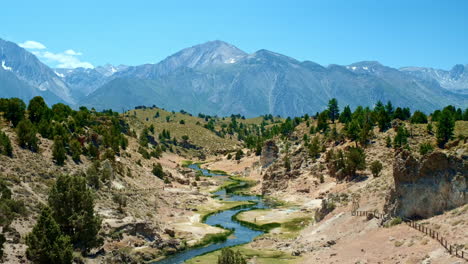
(269, 153)
(429, 186)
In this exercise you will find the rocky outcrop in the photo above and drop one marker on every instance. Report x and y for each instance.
(269, 153)
(428, 186)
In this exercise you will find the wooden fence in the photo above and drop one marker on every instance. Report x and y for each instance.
(453, 250)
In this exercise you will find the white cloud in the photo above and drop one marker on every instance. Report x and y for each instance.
(73, 53)
(67, 59)
(64, 59)
(30, 44)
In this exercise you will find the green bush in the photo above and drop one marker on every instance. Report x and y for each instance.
(376, 168)
(425, 148)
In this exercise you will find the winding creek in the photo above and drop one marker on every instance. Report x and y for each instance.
(241, 235)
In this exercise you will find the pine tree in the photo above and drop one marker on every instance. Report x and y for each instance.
(75, 148)
(333, 110)
(58, 151)
(401, 138)
(445, 127)
(158, 170)
(418, 118)
(355, 159)
(15, 109)
(345, 117)
(27, 135)
(376, 168)
(46, 243)
(72, 204)
(322, 121)
(383, 119)
(228, 256)
(37, 110)
(5, 145)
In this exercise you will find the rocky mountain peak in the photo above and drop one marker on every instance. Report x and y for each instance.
(204, 55)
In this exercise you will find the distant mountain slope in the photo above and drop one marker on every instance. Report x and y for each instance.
(217, 78)
(11, 86)
(455, 80)
(264, 82)
(83, 81)
(27, 68)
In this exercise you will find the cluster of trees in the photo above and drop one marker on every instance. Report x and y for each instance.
(68, 222)
(229, 256)
(74, 132)
(345, 164)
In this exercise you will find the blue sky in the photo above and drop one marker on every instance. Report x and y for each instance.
(396, 33)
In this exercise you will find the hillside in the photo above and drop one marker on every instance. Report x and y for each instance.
(310, 174)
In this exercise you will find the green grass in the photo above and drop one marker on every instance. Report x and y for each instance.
(265, 256)
(193, 128)
(214, 238)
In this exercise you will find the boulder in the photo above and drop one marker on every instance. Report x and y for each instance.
(428, 186)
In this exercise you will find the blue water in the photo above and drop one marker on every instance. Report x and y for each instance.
(241, 233)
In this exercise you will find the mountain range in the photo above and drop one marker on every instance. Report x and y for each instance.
(218, 78)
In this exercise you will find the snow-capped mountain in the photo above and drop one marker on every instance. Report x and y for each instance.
(28, 69)
(217, 78)
(83, 81)
(455, 80)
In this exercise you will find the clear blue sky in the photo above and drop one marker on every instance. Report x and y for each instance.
(396, 33)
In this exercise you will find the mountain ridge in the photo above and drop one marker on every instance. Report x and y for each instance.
(218, 78)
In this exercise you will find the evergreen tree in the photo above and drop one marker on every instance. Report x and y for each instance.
(27, 135)
(228, 256)
(352, 130)
(355, 159)
(37, 110)
(15, 109)
(333, 110)
(376, 168)
(389, 108)
(445, 127)
(383, 119)
(401, 138)
(314, 148)
(418, 118)
(75, 148)
(158, 170)
(46, 243)
(72, 204)
(322, 121)
(5, 145)
(345, 117)
(58, 151)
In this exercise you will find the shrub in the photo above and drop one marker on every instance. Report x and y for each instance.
(58, 151)
(5, 145)
(376, 168)
(228, 256)
(425, 148)
(239, 154)
(158, 171)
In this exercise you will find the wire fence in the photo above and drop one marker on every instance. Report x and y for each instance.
(452, 249)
